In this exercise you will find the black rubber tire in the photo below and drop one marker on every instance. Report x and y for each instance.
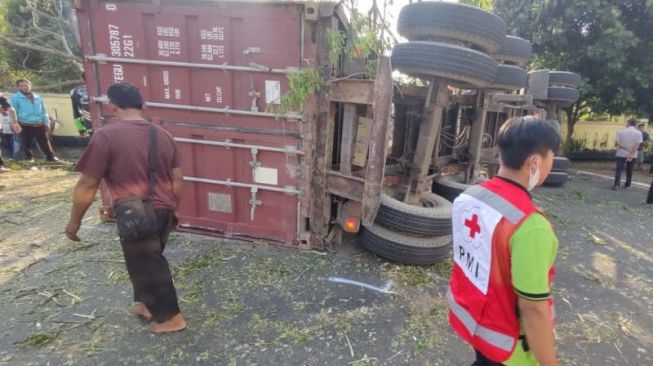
(564, 78)
(560, 164)
(556, 179)
(563, 94)
(450, 186)
(454, 22)
(405, 249)
(431, 218)
(459, 65)
(514, 51)
(509, 77)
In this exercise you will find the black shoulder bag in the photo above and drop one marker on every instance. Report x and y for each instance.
(135, 215)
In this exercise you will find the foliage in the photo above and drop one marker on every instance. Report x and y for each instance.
(483, 4)
(40, 40)
(576, 145)
(599, 39)
(337, 42)
(303, 83)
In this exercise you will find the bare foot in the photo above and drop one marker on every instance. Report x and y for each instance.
(140, 309)
(175, 324)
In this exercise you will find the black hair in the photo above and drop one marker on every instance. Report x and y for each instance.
(22, 81)
(641, 125)
(4, 104)
(632, 122)
(125, 96)
(521, 137)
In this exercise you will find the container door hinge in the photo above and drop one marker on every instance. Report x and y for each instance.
(254, 163)
(254, 202)
(254, 95)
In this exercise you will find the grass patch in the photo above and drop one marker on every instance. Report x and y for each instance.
(586, 274)
(276, 333)
(39, 339)
(423, 329)
(595, 239)
(210, 259)
(413, 276)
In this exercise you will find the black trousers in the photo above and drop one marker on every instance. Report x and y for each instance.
(630, 165)
(40, 134)
(149, 271)
(649, 199)
(481, 360)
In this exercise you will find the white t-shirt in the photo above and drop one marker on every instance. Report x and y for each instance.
(6, 124)
(629, 138)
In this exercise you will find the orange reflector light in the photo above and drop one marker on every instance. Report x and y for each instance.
(351, 224)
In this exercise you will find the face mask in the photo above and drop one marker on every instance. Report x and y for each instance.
(533, 179)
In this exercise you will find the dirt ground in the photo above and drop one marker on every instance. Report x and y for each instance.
(66, 303)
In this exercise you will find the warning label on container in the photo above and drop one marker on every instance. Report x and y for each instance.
(272, 92)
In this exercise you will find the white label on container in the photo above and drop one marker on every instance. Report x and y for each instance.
(266, 176)
(111, 7)
(272, 92)
(220, 202)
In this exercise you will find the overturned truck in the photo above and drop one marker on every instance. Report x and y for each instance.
(354, 153)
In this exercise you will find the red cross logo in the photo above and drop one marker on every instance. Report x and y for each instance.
(473, 226)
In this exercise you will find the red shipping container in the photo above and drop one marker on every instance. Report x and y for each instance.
(209, 73)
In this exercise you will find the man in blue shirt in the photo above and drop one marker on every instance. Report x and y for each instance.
(33, 118)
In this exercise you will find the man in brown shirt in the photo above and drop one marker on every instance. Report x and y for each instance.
(118, 153)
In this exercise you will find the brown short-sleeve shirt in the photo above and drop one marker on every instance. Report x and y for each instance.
(118, 153)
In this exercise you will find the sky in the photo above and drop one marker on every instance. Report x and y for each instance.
(392, 11)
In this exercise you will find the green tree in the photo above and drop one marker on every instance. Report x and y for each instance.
(590, 37)
(40, 40)
(483, 4)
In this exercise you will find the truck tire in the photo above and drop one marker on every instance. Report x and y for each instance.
(560, 163)
(509, 77)
(514, 51)
(431, 218)
(459, 65)
(556, 179)
(403, 248)
(562, 95)
(450, 186)
(452, 22)
(564, 78)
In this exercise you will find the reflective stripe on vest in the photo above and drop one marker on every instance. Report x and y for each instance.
(505, 208)
(496, 339)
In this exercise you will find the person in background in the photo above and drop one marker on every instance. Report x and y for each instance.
(117, 153)
(640, 152)
(504, 249)
(628, 142)
(10, 132)
(33, 119)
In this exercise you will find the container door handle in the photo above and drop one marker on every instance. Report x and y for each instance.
(254, 202)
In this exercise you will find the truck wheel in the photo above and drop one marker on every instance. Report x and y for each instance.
(509, 77)
(560, 163)
(459, 65)
(556, 179)
(515, 51)
(450, 186)
(563, 95)
(405, 249)
(431, 218)
(564, 78)
(452, 22)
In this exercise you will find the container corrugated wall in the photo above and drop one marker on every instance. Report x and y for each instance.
(210, 72)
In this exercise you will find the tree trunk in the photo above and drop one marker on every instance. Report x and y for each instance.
(572, 117)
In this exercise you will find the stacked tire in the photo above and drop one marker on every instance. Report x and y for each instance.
(558, 175)
(562, 89)
(451, 186)
(562, 92)
(513, 55)
(417, 234)
(453, 43)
